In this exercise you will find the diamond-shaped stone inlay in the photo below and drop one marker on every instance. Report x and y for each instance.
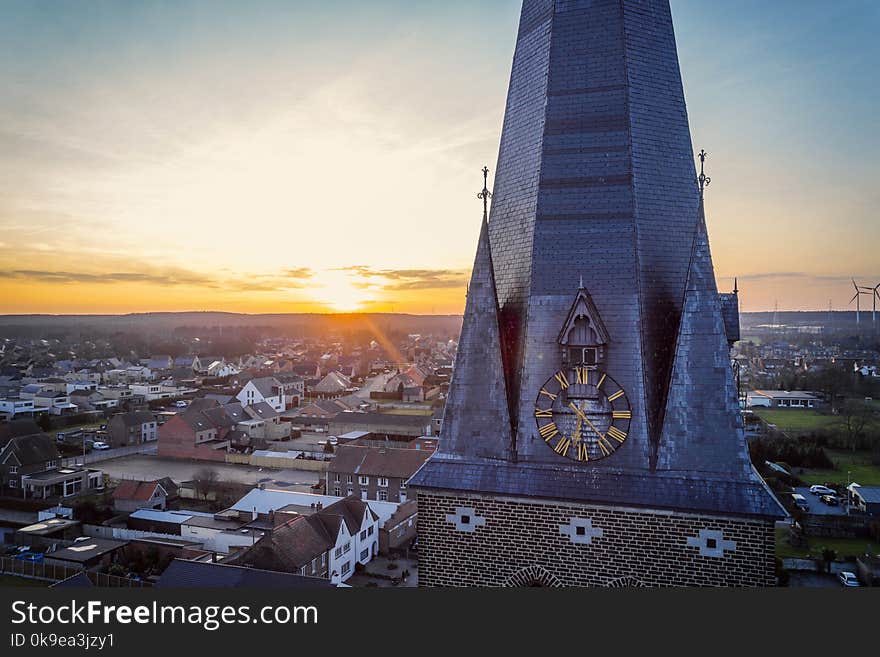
(581, 531)
(711, 543)
(465, 519)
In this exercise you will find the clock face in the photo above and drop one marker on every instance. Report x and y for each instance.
(582, 414)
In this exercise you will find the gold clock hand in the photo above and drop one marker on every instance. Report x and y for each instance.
(586, 419)
(576, 434)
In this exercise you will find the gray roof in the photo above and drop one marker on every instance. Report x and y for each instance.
(786, 394)
(32, 450)
(378, 461)
(600, 486)
(261, 411)
(183, 574)
(380, 419)
(871, 494)
(87, 550)
(265, 384)
(476, 418)
(134, 418)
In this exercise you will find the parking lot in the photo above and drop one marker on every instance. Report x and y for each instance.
(147, 467)
(817, 506)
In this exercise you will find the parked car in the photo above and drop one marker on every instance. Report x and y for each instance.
(830, 500)
(818, 489)
(180, 404)
(801, 502)
(100, 445)
(848, 579)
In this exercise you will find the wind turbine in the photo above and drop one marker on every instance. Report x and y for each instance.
(860, 290)
(874, 297)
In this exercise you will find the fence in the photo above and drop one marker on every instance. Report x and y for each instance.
(96, 456)
(56, 573)
(123, 533)
(278, 462)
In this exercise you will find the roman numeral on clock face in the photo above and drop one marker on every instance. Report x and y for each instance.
(616, 433)
(616, 395)
(562, 446)
(548, 394)
(563, 381)
(583, 453)
(604, 445)
(583, 375)
(548, 431)
(541, 412)
(622, 415)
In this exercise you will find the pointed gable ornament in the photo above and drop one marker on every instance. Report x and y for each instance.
(583, 326)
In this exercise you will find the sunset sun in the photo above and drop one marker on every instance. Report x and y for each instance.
(342, 291)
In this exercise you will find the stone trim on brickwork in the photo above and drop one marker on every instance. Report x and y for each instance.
(636, 546)
(465, 519)
(711, 543)
(533, 576)
(580, 531)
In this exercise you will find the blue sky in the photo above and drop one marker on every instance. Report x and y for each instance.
(217, 150)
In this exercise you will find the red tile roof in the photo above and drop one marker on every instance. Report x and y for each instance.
(136, 490)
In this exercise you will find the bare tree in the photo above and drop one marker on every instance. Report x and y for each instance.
(854, 417)
(204, 479)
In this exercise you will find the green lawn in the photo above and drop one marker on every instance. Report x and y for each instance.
(797, 421)
(13, 580)
(857, 464)
(845, 547)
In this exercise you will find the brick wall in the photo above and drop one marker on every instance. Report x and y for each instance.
(508, 542)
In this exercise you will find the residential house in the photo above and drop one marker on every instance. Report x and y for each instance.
(327, 543)
(264, 389)
(132, 495)
(56, 403)
(160, 362)
(373, 473)
(26, 455)
(194, 435)
(11, 408)
(783, 399)
(86, 555)
(294, 388)
(207, 362)
(150, 391)
(334, 384)
(272, 425)
(132, 428)
(191, 362)
(399, 530)
(220, 369)
(389, 425)
(865, 498)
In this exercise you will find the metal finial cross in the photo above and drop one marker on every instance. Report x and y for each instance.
(485, 195)
(703, 178)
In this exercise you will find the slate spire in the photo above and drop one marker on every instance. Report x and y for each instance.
(702, 428)
(476, 420)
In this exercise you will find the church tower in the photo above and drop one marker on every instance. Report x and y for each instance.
(592, 433)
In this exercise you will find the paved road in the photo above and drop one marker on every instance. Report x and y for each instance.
(817, 506)
(146, 467)
(813, 580)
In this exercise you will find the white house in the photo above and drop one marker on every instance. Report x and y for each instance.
(265, 389)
